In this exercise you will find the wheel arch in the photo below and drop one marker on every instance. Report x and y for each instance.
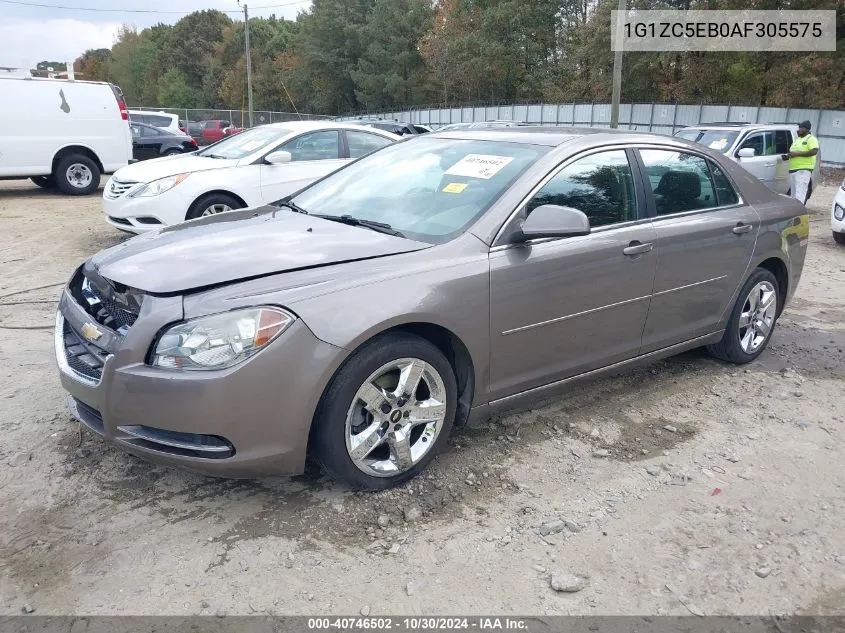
(225, 192)
(449, 344)
(778, 268)
(69, 150)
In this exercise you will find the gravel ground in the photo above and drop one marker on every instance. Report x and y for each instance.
(688, 486)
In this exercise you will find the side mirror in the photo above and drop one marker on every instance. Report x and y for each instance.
(279, 157)
(551, 220)
(746, 152)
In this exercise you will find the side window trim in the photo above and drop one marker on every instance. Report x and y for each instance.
(739, 203)
(497, 240)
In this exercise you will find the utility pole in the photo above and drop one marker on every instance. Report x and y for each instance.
(248, 64)
(617, 66)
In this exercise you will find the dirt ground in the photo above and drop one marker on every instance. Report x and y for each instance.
(738, 510)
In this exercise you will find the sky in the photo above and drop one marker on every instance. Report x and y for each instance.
(30, 34)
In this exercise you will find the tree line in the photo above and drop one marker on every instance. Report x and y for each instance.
(345, 56)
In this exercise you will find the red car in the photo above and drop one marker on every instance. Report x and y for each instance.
(232, 130)
(212, 131)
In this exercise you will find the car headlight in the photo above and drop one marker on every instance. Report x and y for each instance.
(838, 212)
(219, 341)
(157, 187)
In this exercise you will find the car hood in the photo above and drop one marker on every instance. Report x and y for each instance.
(149, 170)
(238, 245)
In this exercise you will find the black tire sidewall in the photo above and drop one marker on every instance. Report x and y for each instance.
(731, 340)
(202, 203)
(61, 175)
(329, 441)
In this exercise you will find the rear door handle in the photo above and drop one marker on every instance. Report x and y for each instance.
(637, 248)
(741, 228)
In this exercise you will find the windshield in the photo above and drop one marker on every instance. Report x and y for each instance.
(720, 140)
(429, 189)
(245, 143)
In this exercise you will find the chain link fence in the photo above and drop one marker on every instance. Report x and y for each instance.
(194, 119)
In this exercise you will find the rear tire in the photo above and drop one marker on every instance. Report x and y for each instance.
(212, 204)
(398, 434)
(77, 175)
(45, 182)
(752, 320)
(839, 238)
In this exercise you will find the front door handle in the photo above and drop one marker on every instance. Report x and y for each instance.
(741, 228)
(637, 248)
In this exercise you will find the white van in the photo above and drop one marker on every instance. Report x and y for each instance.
(62, 133)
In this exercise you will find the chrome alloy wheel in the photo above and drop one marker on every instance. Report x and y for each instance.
(395, 417)
(215, 209)
(757, 317)
(79, 175)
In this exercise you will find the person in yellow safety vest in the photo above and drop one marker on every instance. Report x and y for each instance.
(802, 158)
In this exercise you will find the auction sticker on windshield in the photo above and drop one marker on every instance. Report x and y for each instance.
(479, 166)
(719, 145)
(455, 187)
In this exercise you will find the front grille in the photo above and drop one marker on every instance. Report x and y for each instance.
(117, 188)
(83, 357)
(107, 307)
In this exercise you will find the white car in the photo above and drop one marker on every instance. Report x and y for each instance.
(757, 147)
(255, 167)
(837, 215)
(161, 120)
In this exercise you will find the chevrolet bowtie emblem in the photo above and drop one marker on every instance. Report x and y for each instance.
(91, 332)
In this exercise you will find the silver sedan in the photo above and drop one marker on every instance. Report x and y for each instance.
(433, 283)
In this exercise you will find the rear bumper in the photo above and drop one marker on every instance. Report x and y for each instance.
(247, 421)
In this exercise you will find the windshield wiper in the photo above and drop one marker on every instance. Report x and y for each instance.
(381, 227)
(292, 206)
(213, 156)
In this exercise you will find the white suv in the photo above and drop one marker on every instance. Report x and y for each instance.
(161, 120)
(757, 147)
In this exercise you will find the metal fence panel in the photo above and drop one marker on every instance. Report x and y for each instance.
(832, 123)
(714, 114)
(583, 114)
(687, 115)
(770, 115)
(520, 113)
(601, 114)
(641, 114)
(566, 113)
(534, 113)
(548, 114)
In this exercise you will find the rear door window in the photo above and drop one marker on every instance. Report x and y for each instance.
(679, 181)
(361, 143)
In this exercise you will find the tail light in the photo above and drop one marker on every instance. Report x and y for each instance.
(121, 104)
(193, 142)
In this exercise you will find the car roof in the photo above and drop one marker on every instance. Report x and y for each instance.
(544, 135)
(307, 126)
(737, 126)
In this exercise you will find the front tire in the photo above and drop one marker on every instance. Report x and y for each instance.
(213, 204)
(387, 412)
(839, 238)
(77, 175)
(752, 320)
